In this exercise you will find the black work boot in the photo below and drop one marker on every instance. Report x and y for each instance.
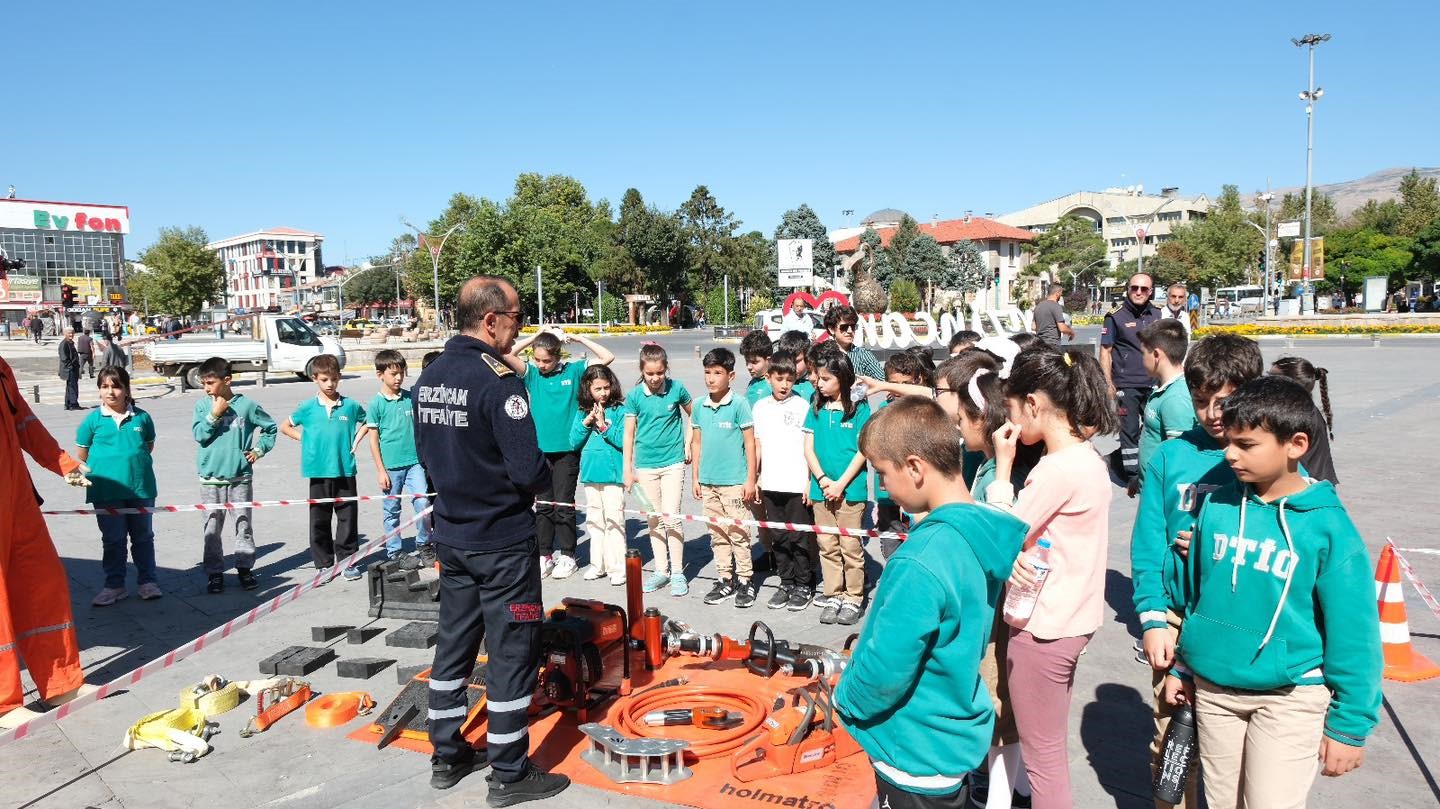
(533, 786)
(445, 774)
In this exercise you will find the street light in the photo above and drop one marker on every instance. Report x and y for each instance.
(434, 258)
(1310, 95)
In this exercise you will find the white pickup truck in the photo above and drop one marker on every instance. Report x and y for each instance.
(285, 343)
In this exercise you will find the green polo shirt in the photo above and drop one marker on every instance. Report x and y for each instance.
(1168, 413)
(659, 424)
(327, 437)
(722, 427)
(805, 389)
(120, 464)
(758, 389)
(554, 398)
(394, 419)
(837, 439)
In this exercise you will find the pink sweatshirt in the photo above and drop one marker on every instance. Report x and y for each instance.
(1066, 499)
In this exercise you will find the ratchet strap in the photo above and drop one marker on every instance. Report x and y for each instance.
(334, 710)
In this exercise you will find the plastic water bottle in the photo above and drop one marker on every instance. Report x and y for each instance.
(1177, 756)
(1020, 602)
(859, 391)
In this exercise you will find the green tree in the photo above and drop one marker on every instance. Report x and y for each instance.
(1425, 250)
(1323, 215)
(804, 223)
(968, 272)
(1222, 247)
(1071, 245)
(1359, 253)
(181, 275)
(710, 233)
(926, 266)
(1381, 216)
(749, 264)
(904, 296)
(371, 287)
(900, 242)
(1419, 204)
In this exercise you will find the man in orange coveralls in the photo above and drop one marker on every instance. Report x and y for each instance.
(35, 620)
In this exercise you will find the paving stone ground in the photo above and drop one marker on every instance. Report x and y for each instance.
(1386, 402)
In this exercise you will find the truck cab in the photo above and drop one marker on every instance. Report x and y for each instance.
(279, 343)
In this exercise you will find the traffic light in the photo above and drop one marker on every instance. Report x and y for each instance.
(997, 275)
(1261, 263)
(67, 295)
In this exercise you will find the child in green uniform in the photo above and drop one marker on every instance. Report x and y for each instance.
(912, 695)
(904, 368)
(599, 429)
(1282, 634)
(390, 426)
(722, 448)
(1168, 411)
(796, 344)
(116, 440)
(328, 427)
(756, 348)
(554, 387)
(225, 425)
(1174, 482)
(657, 450)
(837, 484)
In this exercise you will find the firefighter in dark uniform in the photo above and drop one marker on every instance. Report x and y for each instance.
(477, 440)
(1122, 360)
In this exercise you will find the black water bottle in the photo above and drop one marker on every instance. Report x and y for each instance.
(1177, 756)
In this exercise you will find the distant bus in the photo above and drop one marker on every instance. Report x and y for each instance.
(1244, 298)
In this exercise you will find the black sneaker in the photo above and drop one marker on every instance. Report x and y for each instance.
(781, 599)
(799, 599)
(830, 615)
(534, 786)
(216, 584)
(745, 595)
(723, 589)
(247, 579)
(445, 774)
(849, 614)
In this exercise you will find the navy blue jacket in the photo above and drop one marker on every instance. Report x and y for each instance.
(1121, 331)
(477, 442)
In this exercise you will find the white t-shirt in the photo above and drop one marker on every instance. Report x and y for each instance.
(782, 443)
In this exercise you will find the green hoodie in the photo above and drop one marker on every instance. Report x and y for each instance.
(224, 441)
(1173, 484)
(1282, 595)
(912, 695)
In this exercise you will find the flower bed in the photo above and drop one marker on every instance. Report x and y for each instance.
(1258, 330)
(608, 329)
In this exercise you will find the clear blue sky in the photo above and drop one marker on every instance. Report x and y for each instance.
(340, 117)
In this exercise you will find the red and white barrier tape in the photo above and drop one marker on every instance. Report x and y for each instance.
(778, 526)
(174, 656)
(115, 512)
(1425, 594)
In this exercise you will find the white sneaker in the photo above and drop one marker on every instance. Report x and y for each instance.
(546, 565)
(592, 573)
(564, 566)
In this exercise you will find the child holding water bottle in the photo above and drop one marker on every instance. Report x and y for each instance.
(1063, 401)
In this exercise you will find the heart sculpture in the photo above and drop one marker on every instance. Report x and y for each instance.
(816, 304)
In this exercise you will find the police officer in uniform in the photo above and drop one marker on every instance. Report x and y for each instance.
(1122, 360)
(477, 440)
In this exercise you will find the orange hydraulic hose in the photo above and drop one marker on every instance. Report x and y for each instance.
(333, 710)
(704, 742)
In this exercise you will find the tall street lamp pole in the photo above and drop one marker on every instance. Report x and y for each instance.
(1309, 96)
(435, 250)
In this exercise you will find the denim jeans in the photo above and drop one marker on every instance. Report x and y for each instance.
(141, 531)
(406, 480)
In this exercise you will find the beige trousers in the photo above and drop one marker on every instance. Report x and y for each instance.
(842, 558)
(729, 543)
(663, 487)
(1260, 749)
(605, 522)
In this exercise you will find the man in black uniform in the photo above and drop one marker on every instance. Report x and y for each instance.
(1122, 360)
(477, 441)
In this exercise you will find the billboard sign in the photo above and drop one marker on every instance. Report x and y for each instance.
(20, 289)
(64, 216)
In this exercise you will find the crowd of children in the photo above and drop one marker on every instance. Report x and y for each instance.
(1251, 584)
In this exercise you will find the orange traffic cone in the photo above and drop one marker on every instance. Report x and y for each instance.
(1402, 662)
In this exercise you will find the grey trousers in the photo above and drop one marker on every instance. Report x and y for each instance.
(215, 526)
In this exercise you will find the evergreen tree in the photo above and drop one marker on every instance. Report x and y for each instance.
(900, 241)
(1419, 204)
(803, 223)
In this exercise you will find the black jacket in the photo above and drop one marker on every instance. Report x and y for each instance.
(69, 358)
(476, 440)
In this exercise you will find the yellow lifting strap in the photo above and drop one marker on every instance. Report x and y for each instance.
(185, 731)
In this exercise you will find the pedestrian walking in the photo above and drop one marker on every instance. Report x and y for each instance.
(70, 369)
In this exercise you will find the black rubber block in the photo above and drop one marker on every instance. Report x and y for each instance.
(304, 661)
(414, 635)
(404, 674)
(322, 634)
(361, 634)
(362, 668)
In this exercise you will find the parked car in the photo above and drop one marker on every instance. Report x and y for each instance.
(288, 345)
(770, 320)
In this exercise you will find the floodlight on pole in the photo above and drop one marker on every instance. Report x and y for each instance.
(435, 250)
(1309, 96)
